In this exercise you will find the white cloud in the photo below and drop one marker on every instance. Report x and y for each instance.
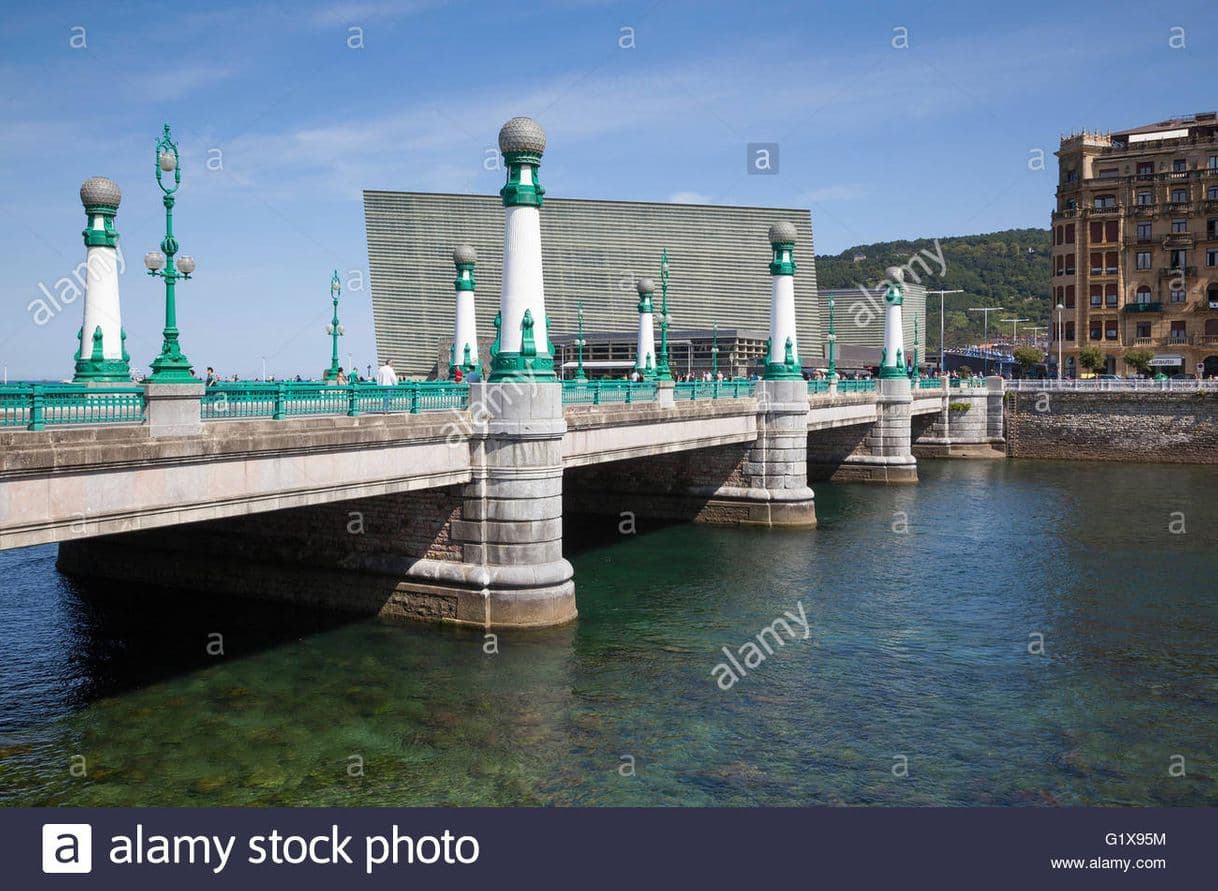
(690, 198)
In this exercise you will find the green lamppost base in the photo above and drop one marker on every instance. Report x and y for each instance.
(778, 371)
(888, 372)
(171, 367)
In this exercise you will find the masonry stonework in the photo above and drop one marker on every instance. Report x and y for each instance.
(1113, 426)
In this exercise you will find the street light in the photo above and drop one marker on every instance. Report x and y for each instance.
(941, 347)
(1061, 331)
(334, 329)
(579, 344)
(986, 310)
(663, 372)
(171, 366)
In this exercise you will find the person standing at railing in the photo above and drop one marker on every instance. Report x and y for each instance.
(386, 376)
(212, 377)
(340, 379)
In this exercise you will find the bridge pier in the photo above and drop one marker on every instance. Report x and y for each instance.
(511, 525)
(776, 467)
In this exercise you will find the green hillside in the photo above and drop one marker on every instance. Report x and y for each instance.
(1008, 269)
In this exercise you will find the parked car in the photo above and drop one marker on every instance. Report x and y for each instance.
(1186, 376)
(1108, 377)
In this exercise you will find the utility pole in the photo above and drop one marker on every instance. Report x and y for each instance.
(942, 366)
(1014, 323)
(986, 336)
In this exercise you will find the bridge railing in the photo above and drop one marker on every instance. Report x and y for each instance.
(35, 406)
(687, 391)
(1135, 385)
(255, 399)
(861, 386)
(605, 392)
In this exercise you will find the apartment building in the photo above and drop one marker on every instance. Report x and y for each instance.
(1135, 245)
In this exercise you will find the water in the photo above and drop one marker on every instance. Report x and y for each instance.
(919, 648)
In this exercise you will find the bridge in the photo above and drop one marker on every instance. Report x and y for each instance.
(440, 500)
(432, 500)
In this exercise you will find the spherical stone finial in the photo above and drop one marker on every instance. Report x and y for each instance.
(522, 135)
(100, 190)
(782, 232)
(895, 274)
(646, 286)
(464, 255)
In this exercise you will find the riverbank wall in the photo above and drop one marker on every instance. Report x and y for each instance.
(1150, 427)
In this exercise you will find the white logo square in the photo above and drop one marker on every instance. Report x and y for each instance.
(67, 847)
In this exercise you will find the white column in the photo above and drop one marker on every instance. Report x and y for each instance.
(465, 332)
(522, 278)
(102, 301)
(647, 336)
(782, 318)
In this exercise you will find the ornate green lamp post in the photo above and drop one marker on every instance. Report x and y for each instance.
(915, 374)
(663, 372)
(579, 345)
(832, 342)
(334, 329)
(715, 353)
(170, 367)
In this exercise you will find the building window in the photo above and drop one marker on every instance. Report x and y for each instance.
(1179, 165)
(1096, 330)
(1211, 296)
(1143, 294)
(1111, 232)
(1110, 295)
(1110, 263)
(1211, 228)
(1069, 301)
(1110, 330)
(1211, 257)
(1071, 175)
(1069, 264)
(1145, 199)
(1146, 169)
(1143, 329)
(1179, 333)
(1212, 193)
(1142, 259)
(1179, 227)
(1178, 259)
(1143, 231)
(1097, 232)
(1213, 163)
(1179, 196)
(1102, 201)
(1097, 295)
(1059, 234)
(1178, 295)
(1059, 264)
(1109, 172)
(1097, 263)
(1069, 233)
(1069, 331)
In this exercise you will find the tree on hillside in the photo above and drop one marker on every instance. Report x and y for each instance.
(1091, 358)
(1027, 357)
(1139, 359)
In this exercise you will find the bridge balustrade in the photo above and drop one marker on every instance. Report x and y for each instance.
(687, 391)
(292, 399)
(34, 406)
(601, 392)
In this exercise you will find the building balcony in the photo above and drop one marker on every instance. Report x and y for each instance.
(1065, 214)
(1178, 240)
(1144, 307)
(1143, 341)
(1104, 211)
(1177, 272)
(1205, 340)
(1145, 210)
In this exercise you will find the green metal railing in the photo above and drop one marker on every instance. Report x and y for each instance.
(863, 386)
(602, 392)
(930, 383)
(687, 391)
(291, 399)
(34, 406)
(818, 386)
(968, 382)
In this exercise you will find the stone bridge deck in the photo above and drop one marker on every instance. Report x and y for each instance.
(71, 482)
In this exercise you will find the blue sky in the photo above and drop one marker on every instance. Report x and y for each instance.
(283, 119)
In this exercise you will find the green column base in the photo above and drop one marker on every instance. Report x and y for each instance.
(102, 371)
(780, 371)
(891, 371)
(517, 366)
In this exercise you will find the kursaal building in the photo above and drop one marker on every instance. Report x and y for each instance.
(594, 253)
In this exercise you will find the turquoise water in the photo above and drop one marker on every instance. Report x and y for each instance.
(921, 600)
